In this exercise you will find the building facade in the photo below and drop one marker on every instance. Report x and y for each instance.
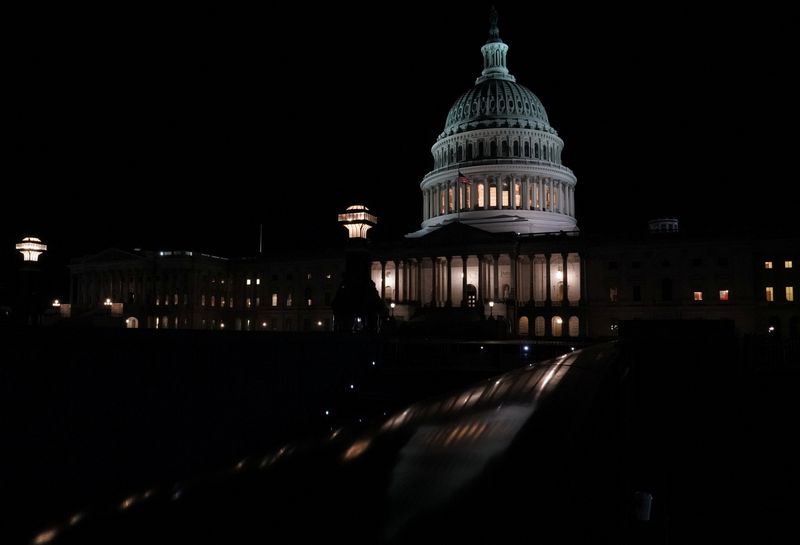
(498, 240)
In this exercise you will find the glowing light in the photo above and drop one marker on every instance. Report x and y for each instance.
(56, 303)
(352, 386)
(559, 275)
(327, 412)
(373, 363)
(392, 305)
(771, 328)
(221, 325)
(177, 494)
(559, 320)
(127, 503)
(572, 349)
(356, 449)
(491, 303)
(76, 518)
(263, 324)
(526, 348)
(107, 302)
(31, 248)
(319, 323)
(239, 466)
(45, 537)
(357, 220)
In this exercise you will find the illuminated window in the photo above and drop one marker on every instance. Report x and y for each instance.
(517, 195)
(203, 300)
(308, 276)
(441, 202)
(175, 299)
(258, 301)
(480, 196)
(698, 296)
(247, 281)
(768, 264)
(213, 300)
(258, 281)
(787, 264)
(247, 303)
(450, 199)
(506, 195)
(274, 299)
(724, 295)
(790, 293)
(613, 294)
(222, 302)
(467, 196)
(308, 301)
(328, 276)
(231, 303)
(770, 294)
(289, 300)
(158, 300)
(492, 195)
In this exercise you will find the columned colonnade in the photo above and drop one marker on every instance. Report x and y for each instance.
(499, 192)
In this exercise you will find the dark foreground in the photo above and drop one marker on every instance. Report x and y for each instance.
(165, 443)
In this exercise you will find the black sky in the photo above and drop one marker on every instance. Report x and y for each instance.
(186, 129)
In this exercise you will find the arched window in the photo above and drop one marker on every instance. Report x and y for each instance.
(557, 326)
(516, 149)
(481, 198)
(459, 153)
(506, 194)
(544, 152)
(574, 326)
(451, 155)
(480, 149)
(523, 326)
(505, 148)
(527, 149)
(536, 150)
(469, 151)
(493, 149)
(538, 326)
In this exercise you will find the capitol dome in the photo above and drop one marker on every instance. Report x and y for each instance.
(497, 164)
(497, 103)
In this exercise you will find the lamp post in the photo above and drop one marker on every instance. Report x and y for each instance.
(391, 306)
(491, 308)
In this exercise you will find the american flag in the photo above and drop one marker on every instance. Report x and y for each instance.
(463, 179)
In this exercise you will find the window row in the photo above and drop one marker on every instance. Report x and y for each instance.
(770, 293)
(787, 264)
(490, 148)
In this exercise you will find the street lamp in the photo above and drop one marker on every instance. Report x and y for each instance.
(491, 308)
(392, 305)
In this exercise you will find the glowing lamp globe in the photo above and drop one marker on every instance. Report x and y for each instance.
(31, 248)
(357, 220)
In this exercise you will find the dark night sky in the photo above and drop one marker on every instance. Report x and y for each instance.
(131, 114)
